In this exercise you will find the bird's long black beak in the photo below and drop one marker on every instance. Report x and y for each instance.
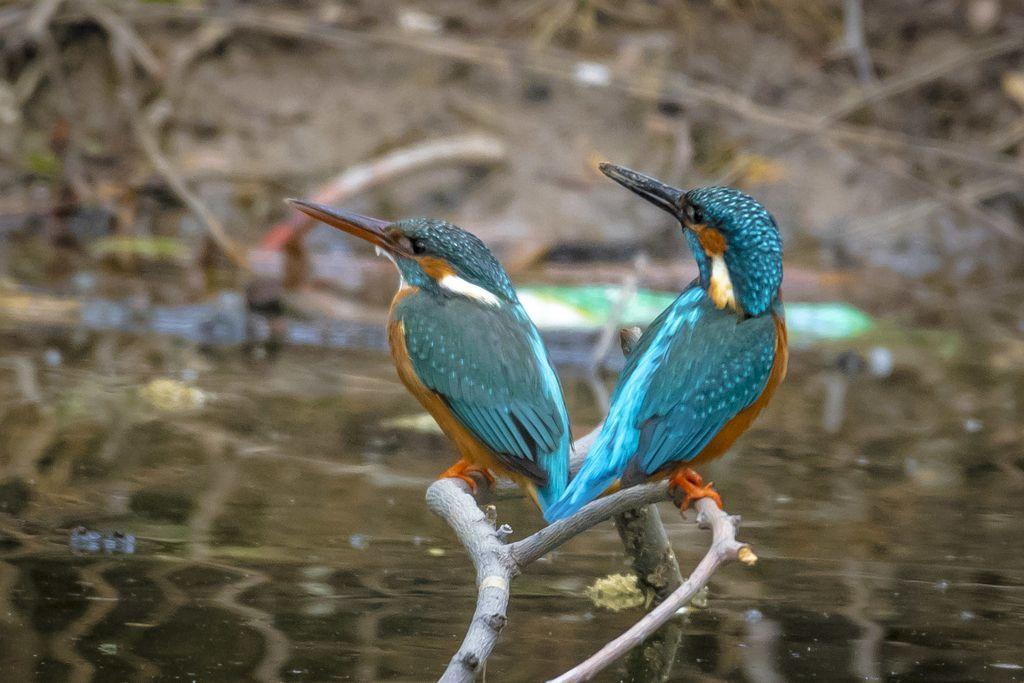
(653, 190)
(373, 230)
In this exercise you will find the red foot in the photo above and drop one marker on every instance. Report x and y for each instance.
(469, 473)
(691, 484)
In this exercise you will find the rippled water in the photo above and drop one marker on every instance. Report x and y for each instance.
(280, 529)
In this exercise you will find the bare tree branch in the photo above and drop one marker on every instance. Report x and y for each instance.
(724, 548)
(534, 547)
(147, 139)
(38, 22)
(497, 563)
(450, 499)
(856, 43)
(120, 31)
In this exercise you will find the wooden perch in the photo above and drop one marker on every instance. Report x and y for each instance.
(451, 500)
(497, 562)
(724, 548)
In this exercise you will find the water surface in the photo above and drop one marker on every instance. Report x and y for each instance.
(280, 530)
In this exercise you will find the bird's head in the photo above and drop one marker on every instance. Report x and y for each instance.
(735, 240)
(430, 254)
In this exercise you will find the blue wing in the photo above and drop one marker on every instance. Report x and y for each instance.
(489, 365)
(694, 369)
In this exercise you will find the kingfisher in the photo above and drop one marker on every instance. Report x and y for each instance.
(708, 364)
(466, 349)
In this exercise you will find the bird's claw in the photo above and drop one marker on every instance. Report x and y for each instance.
(693, 488)
(473, 475)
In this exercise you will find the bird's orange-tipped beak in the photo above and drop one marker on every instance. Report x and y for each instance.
(373, 230)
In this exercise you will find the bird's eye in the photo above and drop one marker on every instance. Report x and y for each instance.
(693, 214)
(409, 244)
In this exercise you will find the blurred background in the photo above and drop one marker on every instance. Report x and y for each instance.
(209, 470)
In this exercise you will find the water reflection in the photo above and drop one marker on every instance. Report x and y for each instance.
(280, 532)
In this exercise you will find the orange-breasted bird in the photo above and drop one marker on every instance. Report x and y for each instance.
(708, 364)
(465, 348)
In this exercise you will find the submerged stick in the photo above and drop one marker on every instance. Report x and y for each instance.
(654, 562)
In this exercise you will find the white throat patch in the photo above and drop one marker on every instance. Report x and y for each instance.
(721, 284)
(401, 278)
(455, 284)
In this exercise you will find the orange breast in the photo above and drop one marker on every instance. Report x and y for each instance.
(739, 424)
(469, 447)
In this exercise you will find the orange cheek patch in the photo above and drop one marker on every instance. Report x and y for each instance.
(436, 268)
(720, 287)
(710, 239)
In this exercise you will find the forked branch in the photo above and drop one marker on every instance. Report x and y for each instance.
(497, 563)
(724, 548)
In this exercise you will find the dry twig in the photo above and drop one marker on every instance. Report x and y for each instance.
(497, 563)
(38, 21)
(471, 148)
(38, 29)
(627, 292)
(150, 146)
(563, 66)
(855, 42)
(121, 32)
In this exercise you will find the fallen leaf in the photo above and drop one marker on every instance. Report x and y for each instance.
(172, 395)
(616, 592)
(1013, 86)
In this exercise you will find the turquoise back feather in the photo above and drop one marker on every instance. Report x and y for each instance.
(694, 369)
(489, 365)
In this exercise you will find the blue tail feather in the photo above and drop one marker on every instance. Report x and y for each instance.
(576, 497)
(558, 477)
(594, 477)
